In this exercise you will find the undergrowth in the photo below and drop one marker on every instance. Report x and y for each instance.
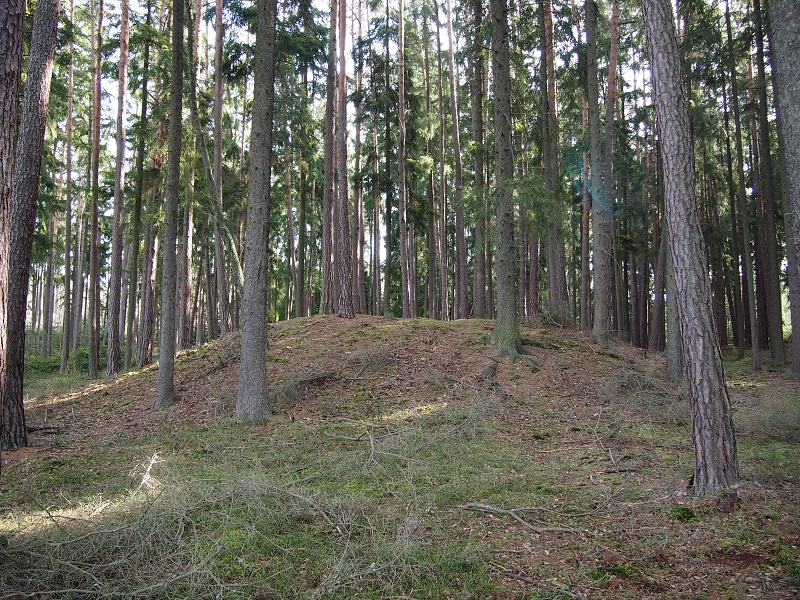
(351, 508)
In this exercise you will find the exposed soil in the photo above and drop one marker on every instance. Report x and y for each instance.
(595, 420)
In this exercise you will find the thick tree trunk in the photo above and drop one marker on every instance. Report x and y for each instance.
(24, 191)
(12, 27)
(252, 402)
(506, 332)
(785, 24)
(166, 346)
(716, 464)
(113, 362)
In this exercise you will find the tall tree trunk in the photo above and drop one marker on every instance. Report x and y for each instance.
(291, 249)
(137, 207)
(444, 288)
(12, 27)
(211, 303)
(601, 205)
(147, 312)
(49, 288)
(737, 324)
(770, 252)
(24, 191)
(252, 402)
(506, 332)
(78, 273)
(166, 346)
(716, 464)
(302, 220)
(329, 199)
(184, 271)
(744, 221)
(344, 292)
(402, 191)
(113, 362)
(66, 324)
(387, 140)
(94, 258)
(461, 288)
(479, 140)
(376, 213)
(784, 24)
(558, 297)
(219, 243)
(359, 290)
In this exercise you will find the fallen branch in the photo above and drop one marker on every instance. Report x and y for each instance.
(513, 514)
(545, 588)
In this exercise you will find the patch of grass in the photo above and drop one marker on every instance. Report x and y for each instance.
(769, 415)
(286, 513)
(680, 513)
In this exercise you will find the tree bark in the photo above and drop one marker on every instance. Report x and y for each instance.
(223, 292)
(12, 27)
(506, 332)
(24, 191)
(113, 362)
(461, 287)
(94, 258)
(66, 325)
(785, 24)
(601, 205)
(744, 221)
(166, 346)
(344, 291)
(252, 402)
(716, 464)
(147, 312)
(441, 226)
(402, 191)
(479, 140)
(49, 288)
(329, 199)
(558, 297)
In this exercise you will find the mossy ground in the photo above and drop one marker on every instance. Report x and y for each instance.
(394, 469)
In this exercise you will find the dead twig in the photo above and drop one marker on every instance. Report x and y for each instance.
(513, 514)
(545, 588)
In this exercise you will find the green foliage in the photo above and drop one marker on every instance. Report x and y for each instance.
(680, 513)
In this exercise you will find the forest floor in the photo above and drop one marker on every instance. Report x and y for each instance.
(405, 461)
